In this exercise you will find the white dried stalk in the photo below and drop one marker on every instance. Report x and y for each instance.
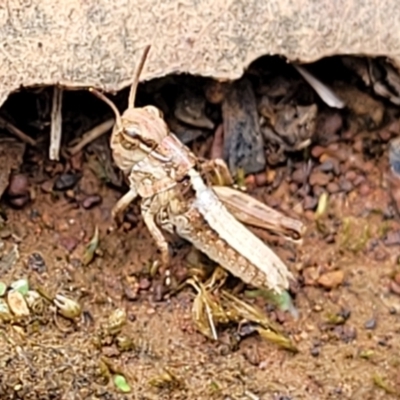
(56, 124)
(323, 91)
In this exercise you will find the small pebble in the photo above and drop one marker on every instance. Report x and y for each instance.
(70, 194)
(158, 291)
(315, 351)
(261, 179)
(397, 278)
(131, 317)
(251, 354)
(319, 178)
(345, 185)
(333, 187)
(293, 187)
(110, 351)
(144, 284)
(383, 342)
(310, 203)
(345, 313)
(385, 135)
(392, 238)
(394, 287)
(358, 146)
(370, 324)
(310, 276)
(70, 243)
(150, 311)
(318, 191)
(394, 154)
(299, 176)
(327, 166)
(131, 293)
(20, 201)
(47, 187)
(345, 333)
(328, 124)
(380, 255)
(350, 175)
(317, 151)
(34, 214)
(19, 186)
(91, 201)
(331, 279)
(66, 181)
(358, 180)
(364, 189)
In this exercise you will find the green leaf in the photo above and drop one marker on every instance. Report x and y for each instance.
(22, 286)
(121, 383)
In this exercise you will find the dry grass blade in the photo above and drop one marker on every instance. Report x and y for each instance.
(252, 212)
(166, 380)
(251, 395)
(16, 132)
(56, 124)
(210, 310)
(277, 339)
(206, 311)
(91, 248)
(91, 135)
(239, 311)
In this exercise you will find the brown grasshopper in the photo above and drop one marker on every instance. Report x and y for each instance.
(169, 179)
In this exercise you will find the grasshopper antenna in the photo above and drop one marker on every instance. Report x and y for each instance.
(136, 77)
(101, 96)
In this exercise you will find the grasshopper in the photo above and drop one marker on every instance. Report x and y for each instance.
(175, 196)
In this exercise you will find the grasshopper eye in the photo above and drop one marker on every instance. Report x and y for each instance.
(133, 131)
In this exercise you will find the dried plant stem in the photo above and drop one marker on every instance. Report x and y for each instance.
(91, 135)
(16, 132)
(56, 124)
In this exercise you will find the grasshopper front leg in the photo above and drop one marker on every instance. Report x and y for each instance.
(149, 209)
(122, 204)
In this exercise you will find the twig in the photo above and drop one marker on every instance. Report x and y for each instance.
(91, 135)
(251, 395)
(16, 132)
(56, 124)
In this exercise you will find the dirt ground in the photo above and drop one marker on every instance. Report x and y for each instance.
(346, 289)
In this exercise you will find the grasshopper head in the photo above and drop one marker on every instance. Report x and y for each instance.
(144, 126)
(138, 131)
